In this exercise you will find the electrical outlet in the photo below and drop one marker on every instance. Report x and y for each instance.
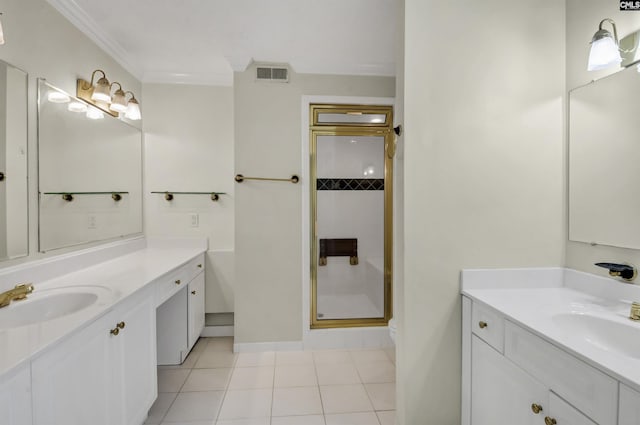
(195, 220)
(91, 221)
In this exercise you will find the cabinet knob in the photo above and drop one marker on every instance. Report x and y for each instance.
(193, 292)
(536, 408)
(115, 331)
(482, 324)
(121, 325)
(178, 282)
(199, 266)
(550, 421)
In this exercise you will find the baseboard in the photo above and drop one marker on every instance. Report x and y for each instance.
(215, 331)
(256, 347)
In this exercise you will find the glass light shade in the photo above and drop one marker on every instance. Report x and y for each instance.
(57, 97)
(118, 103)
(77, 107)
(604, 51)
(94, 113)
(102, 91)
(133, 110)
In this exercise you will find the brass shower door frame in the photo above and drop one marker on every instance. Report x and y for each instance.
(385, 130)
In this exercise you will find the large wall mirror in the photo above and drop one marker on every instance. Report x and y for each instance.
(14, 217)
(604, 161)
(90, 172)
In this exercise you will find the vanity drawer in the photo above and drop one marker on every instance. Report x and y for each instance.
(488, 324)
(173, 281)
(585, 387)
(564, 413)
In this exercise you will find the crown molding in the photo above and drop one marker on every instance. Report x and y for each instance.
(81, 20)
(198, 79)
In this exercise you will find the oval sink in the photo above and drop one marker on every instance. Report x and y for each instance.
(49, 304)
(608, 335)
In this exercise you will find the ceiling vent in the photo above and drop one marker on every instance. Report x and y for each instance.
(274, 73)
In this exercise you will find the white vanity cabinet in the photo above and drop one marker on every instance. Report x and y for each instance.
(15, 397)
(196, 309)
(515, 377)
(180, 314)
(501, 392)
(104, 374)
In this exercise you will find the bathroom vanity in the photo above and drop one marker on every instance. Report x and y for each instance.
(82, 349)
(549, 346)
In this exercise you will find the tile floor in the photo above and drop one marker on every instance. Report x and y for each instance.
(214, 386)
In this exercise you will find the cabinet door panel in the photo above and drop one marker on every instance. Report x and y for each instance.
(136, 383)
(501, 393)
(196, 309)
(15, 398)
(629, 406)
(71, 382)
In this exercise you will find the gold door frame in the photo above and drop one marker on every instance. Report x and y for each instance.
(353, 129)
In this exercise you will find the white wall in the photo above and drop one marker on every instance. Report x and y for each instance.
(268, 229)
(189, 148)
(44, 44)
(484, 83)
(583, 17)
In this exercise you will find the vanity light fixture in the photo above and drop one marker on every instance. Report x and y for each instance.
(55, 96)
(605, 49)
(1, 32)
(94, 113)
(133, 108)
(77, 107)
(100, 95)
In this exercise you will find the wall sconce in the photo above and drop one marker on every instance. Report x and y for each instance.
(101, 97)
(1, 32)
(605, 50)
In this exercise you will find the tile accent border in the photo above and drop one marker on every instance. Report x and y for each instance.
(350, 184)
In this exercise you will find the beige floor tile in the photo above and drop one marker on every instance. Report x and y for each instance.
(387, 417)
(171, 380)
(295, 376)
(207, 380)
(198, 406)
(252, 421)
(377, 372)
(244, 378)
(160, 408)
(267, 358)
(337, 374)
(240, 404)
(331, 356)
(361, 418)
(383, 396)
(224, 343)
(345, 399)
(210, 359)
(298, 420)
(369, 356)
(296, 401)
(288, 358)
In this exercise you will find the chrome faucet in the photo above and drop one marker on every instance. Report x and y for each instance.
(635, 312)
(20, 292)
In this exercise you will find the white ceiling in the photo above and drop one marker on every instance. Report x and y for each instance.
(204, 41)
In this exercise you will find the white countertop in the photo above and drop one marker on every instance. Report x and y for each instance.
(121, 276)
(537, 309)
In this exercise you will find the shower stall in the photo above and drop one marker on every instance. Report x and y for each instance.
(351, 169)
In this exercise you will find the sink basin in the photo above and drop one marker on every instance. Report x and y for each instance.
(49, 304)
(617, 337)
